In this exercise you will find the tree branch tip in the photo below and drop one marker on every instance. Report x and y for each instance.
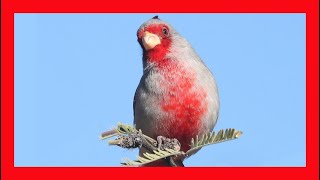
(162, 148)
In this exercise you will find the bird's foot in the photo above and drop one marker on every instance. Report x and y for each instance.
(167, 143)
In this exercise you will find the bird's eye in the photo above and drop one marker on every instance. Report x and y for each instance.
(165, 31)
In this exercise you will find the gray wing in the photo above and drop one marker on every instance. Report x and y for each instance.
(134, 107)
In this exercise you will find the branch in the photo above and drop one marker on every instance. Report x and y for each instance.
(129, 137)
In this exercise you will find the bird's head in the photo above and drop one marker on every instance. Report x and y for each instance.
(155, 38)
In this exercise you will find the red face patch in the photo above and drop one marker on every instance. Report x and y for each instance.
(157, 54)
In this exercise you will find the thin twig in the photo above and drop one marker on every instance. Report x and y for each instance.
(108, 134)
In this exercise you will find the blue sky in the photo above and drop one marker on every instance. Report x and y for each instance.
(76, 74)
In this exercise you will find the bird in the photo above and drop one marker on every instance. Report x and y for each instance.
(177, 96)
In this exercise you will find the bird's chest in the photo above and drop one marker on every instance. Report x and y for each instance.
(179, 103)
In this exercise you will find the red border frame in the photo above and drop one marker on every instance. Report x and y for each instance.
(8, 8)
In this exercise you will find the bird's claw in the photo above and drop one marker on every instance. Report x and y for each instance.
(167, 143)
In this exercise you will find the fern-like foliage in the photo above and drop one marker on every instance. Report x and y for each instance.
(213, 138)
(120, 129)
(125, 129)
(151, 157)
(196, 143)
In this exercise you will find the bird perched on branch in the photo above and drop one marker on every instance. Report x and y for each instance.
(177, 96)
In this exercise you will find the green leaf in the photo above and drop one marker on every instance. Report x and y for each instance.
(151, 157)
(211, 138)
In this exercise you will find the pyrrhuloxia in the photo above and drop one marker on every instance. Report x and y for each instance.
(177, 96)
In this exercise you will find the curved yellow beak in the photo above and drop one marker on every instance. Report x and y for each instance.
(150, 40)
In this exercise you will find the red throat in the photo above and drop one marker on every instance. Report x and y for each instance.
(158, 53)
